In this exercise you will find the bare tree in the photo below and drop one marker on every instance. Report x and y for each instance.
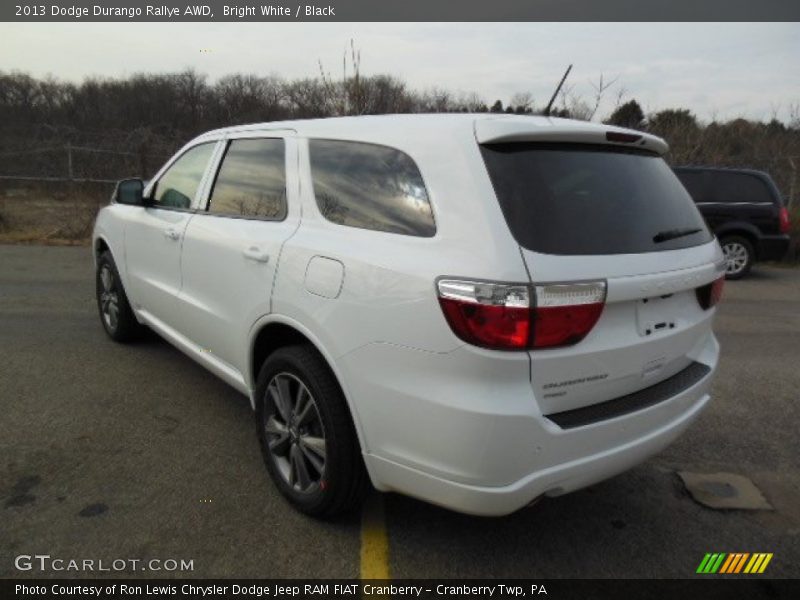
(522, 102)
(345, 97)
(600, 88)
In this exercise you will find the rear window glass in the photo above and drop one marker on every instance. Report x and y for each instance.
(370, 187)
(575, 199)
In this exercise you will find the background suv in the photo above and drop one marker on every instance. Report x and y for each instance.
(744, 210)
(448, 306)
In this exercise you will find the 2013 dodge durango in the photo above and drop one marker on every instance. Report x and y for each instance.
(474, 310)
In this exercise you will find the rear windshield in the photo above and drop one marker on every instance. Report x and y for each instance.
(591, 199)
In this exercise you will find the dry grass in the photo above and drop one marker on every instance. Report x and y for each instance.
(39, 238)
(42, 216)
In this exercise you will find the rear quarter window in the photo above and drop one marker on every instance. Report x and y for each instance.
(582, 199)
(369, 186)
(738, 188)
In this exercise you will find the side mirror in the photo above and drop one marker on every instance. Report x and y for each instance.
(130, 191)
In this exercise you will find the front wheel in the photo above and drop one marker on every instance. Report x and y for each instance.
(739, 256)
(115, 311)
(307, 438)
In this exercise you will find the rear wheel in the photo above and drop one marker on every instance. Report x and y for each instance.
(739, 256)
(307, 438)
(116, 314)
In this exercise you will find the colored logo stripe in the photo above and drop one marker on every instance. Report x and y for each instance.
(737, 563)
(734, 562)
(711, 563)
(758, 563)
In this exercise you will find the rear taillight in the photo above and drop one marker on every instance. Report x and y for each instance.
(491, 315)
(566, 313)
(516, 317)
(783, 219)
(710, 294)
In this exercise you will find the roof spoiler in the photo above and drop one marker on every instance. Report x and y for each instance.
(527, 129)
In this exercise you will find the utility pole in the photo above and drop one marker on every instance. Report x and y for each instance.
(69, 161)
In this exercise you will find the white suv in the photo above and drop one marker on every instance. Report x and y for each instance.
(474, 310)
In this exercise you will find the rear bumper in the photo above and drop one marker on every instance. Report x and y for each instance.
(553, 481)
(478, 443)
(773, 247)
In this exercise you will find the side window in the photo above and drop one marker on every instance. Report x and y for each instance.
(370, 187)
(694, 182)
(178, 186)
(734, 188)
(252, 180)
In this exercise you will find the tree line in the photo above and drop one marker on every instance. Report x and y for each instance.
(151, 115)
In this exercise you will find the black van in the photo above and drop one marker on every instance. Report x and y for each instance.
(744, 210)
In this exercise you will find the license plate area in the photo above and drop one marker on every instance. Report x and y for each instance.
(658, 315)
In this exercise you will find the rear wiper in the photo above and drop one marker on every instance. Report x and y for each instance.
(671, 234)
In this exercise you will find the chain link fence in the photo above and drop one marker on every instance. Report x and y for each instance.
(51, 193)
(70, 163)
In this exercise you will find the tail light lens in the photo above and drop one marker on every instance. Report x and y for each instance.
(517, 317)
(487, 314)
(566, 313)
(783, 218)
(710, 294)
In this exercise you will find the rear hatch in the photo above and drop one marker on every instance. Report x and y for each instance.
(614, 213)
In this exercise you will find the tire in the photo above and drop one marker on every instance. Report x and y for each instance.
(309, 444)
(115, 311)
(739, 256)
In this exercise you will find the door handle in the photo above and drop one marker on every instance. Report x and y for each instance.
(172, 234)
(255, 253)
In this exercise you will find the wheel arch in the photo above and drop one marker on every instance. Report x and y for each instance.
(100, 245)
(276, 331)
(745, 230)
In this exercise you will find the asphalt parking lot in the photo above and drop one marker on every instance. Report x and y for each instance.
(111, 451)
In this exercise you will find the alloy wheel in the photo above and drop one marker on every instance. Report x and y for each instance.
(736, 257)
(295, 434)
(109, 298)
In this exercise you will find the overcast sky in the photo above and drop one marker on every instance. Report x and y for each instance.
(718, 70)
